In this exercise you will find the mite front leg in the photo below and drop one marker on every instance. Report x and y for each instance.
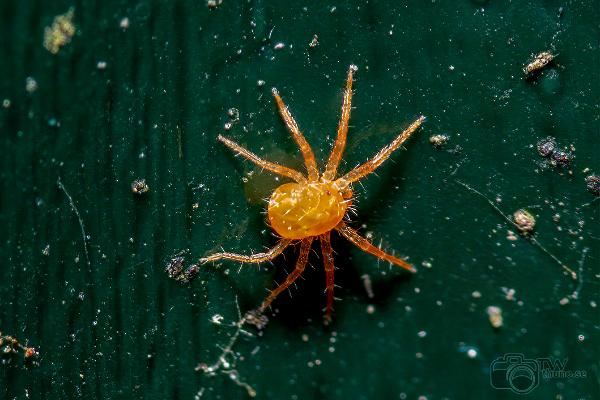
(268, 165)
(340, 141)
(329, 270)
(365, 245)
(252, 259)
(290, 122)
(383, 154)
(300, 264)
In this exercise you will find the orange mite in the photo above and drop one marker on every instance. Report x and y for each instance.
(312, 206)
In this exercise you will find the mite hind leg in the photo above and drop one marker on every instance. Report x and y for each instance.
(329, 273)
(368, 247)
(291, 278)
(252, 259)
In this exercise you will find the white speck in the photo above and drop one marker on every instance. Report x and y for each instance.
(422, 334)
(370, 309)
(279, 46)
(213, 3)
(472, 353)
(495, 316)
(581, 338)
(260, 82)
(368, 285)
(30, 84)
(564, 301)
(101, 65)
(451, 68)
(476, 294)
(510, 293)
(217, 319)
(6, 103)
(124, 23)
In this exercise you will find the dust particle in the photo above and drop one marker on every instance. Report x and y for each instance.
(124, 23)
(438, 140)
(539, 62)
(524, 221)
(510, 235)
(213, 3)
(30, 85)
(593, 184)
(495, 316)
(562, 157)
(139, 187)
(546, 146)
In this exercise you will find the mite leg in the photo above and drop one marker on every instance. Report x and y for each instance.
(300, 264)
(307, 153)
(383, 154)
(340, 141)
(268, 165)
(255, 258)
(329, 269)
(365, 245)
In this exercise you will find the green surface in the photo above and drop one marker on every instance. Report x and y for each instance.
(118, 328)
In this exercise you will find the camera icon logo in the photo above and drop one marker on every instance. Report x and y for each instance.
(514, 372)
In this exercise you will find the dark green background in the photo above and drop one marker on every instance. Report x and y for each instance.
(119, 328)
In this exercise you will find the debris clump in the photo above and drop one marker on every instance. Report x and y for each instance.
(524, 221)
(9, 346)
(60, 32)
(593, 184)
(140, 187)
(174, 270)
(539, 62)
(548, 147)
(438, 140)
